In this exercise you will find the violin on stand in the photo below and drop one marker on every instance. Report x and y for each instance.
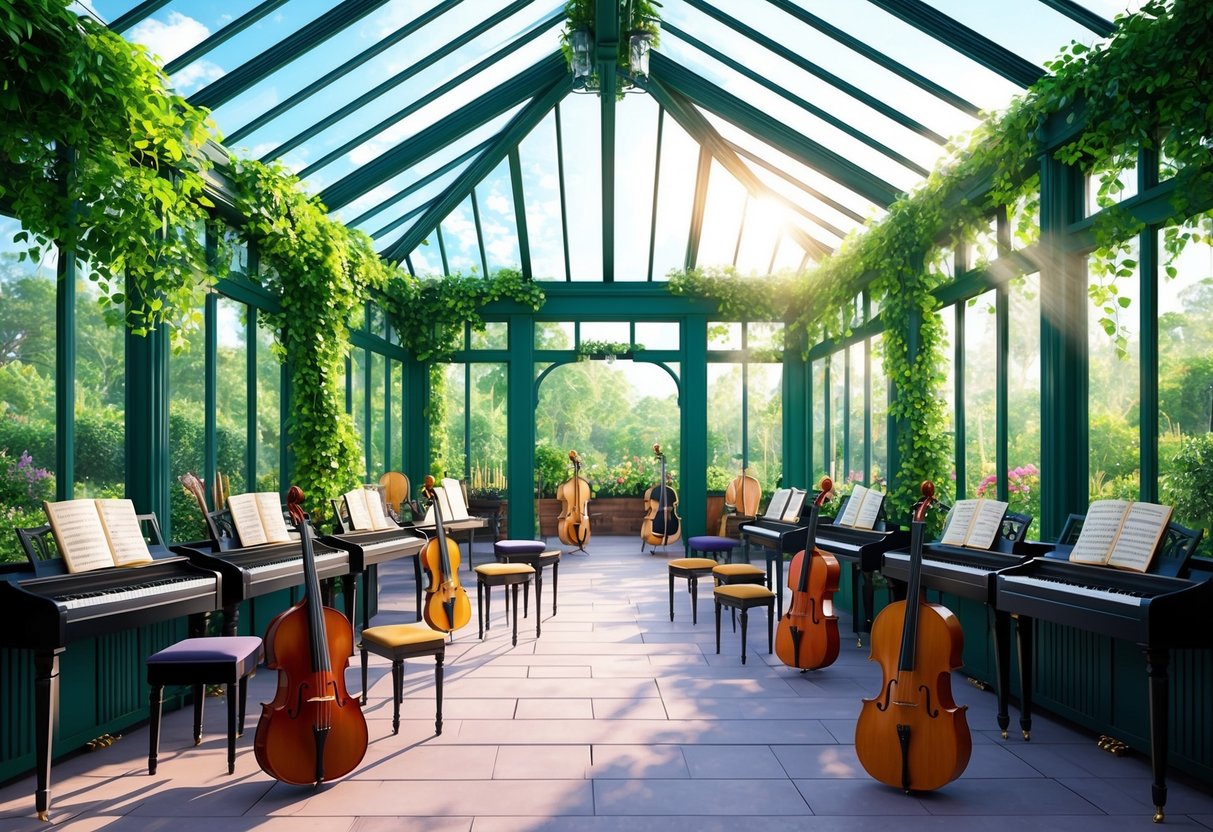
(912, 735)
(573, 525)
(447, 607)
(661, 525)
(807, 636)
(313, 730)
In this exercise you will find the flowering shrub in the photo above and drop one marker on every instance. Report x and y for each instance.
(630, 478)
(23, 487)
(1023, 489)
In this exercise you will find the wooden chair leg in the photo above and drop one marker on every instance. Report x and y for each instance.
(671, 596)
(397, 692)
(438, 693)
(362, 649)
(514, 640)
(480, 608)
(718, 628)
(231, 728)
(155, 702)
(694, 587)
(745, 621)
(199, 696)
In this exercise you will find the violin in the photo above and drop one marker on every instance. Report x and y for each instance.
(573, 525)
(313, 730)
(912, 735)
(807, 636)
(661, 524)
(447, 607)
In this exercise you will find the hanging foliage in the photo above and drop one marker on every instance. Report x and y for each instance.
(129, 198)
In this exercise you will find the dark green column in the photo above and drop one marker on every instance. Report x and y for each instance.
(147, 440)
(693, 395)
(796, 417)
(1063, 353)
(416, 431)
(521, 426)
(65, 355)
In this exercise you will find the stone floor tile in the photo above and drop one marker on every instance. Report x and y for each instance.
(554, 709)
(696, 797)
(720, 762)
(541, 762)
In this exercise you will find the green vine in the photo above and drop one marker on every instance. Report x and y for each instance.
(429, 314)
(612, 348)
(320, 272)
(129, 196)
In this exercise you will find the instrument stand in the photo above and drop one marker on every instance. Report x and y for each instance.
(580, 549)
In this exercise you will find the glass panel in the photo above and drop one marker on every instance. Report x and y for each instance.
(357, 388)
(658, 335)
(724, 424)
(724, 336)
(984, 248)
(378, 320)
(231, 393)
(1105, 188)
(1024, 219)
(399, 438)
(378, 462)
(186, 436)
(789, 256)
(496, 336)
(553, 335)
(269, 414)
(100, 397)
(855, 463)
(947, 317)
(27, 389)
(817, 443)
(764, 335)
(615, 331)
(498, 224)
(541, 198)
(453, 456)
(675, 198)
(721, 218)
(1114, 377)
(635, 156)
(838, 414)
(461, 242)
(980, 381)
(764, 423)
(579, 122)
(1023, 399)
(879, 475)
(490, 424)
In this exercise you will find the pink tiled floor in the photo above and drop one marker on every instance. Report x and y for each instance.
(615, 719)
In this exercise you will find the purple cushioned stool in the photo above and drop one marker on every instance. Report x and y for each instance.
(199, 662)
(711, 546)
(534, 553)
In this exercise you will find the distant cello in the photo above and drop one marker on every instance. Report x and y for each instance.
(447, 607)
(573, 526)
(661, 525)
(313, 730)
(807, 637)
(741, 499)
(912, 735)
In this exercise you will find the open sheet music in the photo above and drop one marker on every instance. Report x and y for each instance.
(94, 534)
(792, 511)
(450, 500)
(778, 505)
(974, 523)
(862, 509)
(365, 509)
(258, 518)
(1121, 533)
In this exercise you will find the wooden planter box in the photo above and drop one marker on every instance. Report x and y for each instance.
(497, 512)
(608, 515)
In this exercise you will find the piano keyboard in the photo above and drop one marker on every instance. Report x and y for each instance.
(87, 599)
(1127, 597)
(298, 559)
(953, 565)
(386, 544)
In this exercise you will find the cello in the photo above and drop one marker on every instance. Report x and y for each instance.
(313, 730)
(912, 735)
(573, 525)
(807, 636)
(447, 607)
(741, 499)
(661, 525)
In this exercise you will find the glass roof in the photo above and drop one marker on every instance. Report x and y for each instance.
(452, 132)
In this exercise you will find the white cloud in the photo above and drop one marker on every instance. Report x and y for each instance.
(169, 39)
(196, 75)
(496, 202)
(501, 252)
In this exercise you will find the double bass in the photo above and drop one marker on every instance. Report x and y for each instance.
(741, 499)
(912, 735)
(446, 607)
(807, 636)
(573, 525)
(313, 730)
(661, 525)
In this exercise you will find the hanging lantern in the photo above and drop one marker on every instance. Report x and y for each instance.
(581, 42)
(639, 45)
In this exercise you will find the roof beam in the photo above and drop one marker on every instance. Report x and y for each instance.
(807, 106)
(964, 40)
(821, 72)
(137, 14)
(557, 85)
(223, 35)
(500, 99)
(695, 230)
(878, 57)
(399, 221)
(771, 130)
(416, 104)
(349, 66)
(1082, 15)
(700, 129)
(606, 54)
(787, 177)
(280, 54)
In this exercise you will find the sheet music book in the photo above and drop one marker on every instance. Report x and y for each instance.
(778, 505)
(862, 508)
(258, 518)
(94, 534)
(450, 500)
(974, 523)
(795, 506)
(1121, 533)
(365, 508)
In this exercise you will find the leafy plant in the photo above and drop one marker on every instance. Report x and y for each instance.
(1190, 484)
(608, 348)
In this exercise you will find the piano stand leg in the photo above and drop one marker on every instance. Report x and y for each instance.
(46, 694)
(869, 601)
(231, 618)
(1025, 629)
(1157, 659)
(1002, 666)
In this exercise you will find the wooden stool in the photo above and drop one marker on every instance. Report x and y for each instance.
(692, 569)
(397, 642)
(534, 553)
(489, 575)
(742, 597)
(738, 573)
(712, 546)
(198, 662)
